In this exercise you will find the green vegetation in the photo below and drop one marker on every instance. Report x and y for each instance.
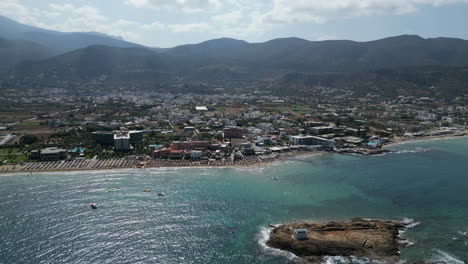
(29, 124)
(29, 139)
(301, 109)
(12, 155)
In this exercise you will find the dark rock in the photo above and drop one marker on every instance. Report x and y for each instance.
(372, 239)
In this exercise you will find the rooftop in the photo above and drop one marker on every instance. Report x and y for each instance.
(52, 150)
(201, 108)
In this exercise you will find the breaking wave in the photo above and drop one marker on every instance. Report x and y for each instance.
(409, 223)
(350, 260)
(262, 238)
(440, 256)
(406, 151)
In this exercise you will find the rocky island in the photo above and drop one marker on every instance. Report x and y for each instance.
(373, 239)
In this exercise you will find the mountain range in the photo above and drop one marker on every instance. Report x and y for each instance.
(406, 60)
(37, 43)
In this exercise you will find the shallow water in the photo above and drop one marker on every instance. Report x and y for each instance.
(218, 215)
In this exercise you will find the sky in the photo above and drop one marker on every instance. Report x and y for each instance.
(168, 23)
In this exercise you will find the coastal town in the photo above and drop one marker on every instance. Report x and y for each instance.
(63, 129)
(234, 131)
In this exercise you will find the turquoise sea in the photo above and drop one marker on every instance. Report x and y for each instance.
(219, 215)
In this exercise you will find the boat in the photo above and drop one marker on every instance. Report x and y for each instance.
(161, 194)
(93, 205)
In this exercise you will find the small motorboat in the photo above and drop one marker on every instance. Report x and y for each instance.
(146, 190)
(93, 205)
(161, 194)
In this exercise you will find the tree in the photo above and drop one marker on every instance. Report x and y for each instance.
(28, 139)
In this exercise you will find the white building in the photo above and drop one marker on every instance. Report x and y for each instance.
(201, 108)
(321, 130)
(122, 141)
(312, 141)
(300, 234)
(196, 155)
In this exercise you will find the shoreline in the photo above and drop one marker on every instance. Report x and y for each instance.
(404, 140)
(123, 164)
(50, 167)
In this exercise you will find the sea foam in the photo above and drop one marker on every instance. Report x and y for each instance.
(407, 151)
(262, 238)
(350, 260)
(444, 257)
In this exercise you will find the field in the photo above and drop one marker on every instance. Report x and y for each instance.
(295, 108)
(12, 155)
(10, 117)
(29, 124)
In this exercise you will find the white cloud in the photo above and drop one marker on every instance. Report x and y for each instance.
(228, 18)
(13, 9)
(124, 22)
(326, 37)
(39, 12)
(195, 27)
(215, 18)
(70, 18)
(320, 11)
(153, 26)
(263, 18)
(183, 5)
(88, 12)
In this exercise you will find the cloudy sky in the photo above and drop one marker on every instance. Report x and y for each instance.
(166, 23)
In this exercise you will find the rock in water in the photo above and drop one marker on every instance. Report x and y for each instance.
(373, 239)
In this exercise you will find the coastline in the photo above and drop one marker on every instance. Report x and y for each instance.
(403, 140)
(122, 164)
(44, 167)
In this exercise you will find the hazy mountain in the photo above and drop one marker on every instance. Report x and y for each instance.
(13, 52)
(104, 35)
(294, 54)
(58, 42)
(403, 59)
(298, 55)
(99, 62)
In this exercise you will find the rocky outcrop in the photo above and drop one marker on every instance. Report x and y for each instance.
(373, 239)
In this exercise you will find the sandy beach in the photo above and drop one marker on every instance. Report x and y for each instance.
(402, 140)
(122, 163)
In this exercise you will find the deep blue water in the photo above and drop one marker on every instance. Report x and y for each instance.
(218, 215)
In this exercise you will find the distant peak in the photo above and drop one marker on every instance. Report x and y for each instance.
(405, 37)
(104, 35)
(225, 40)
(288, 40)
(4, 18)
